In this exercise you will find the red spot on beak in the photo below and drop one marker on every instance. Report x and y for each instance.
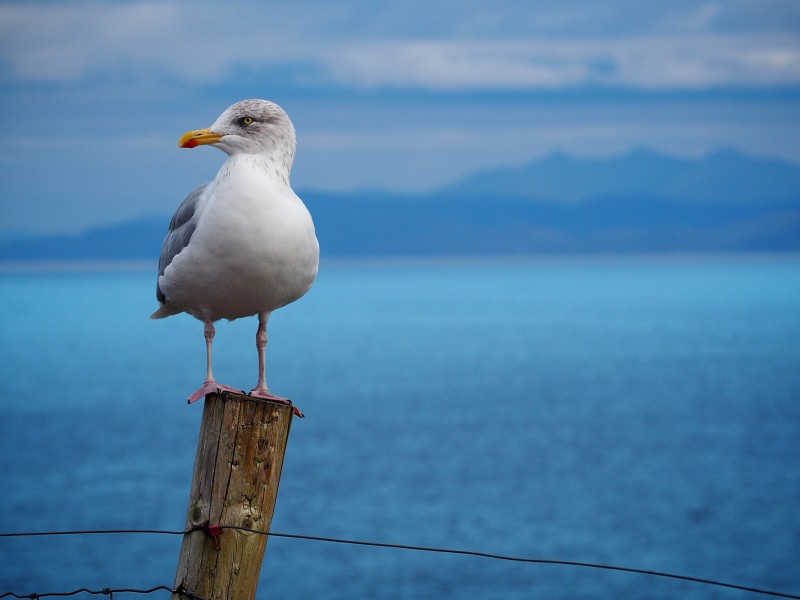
(189, 144)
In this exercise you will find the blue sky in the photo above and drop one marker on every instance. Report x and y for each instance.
(402, 96)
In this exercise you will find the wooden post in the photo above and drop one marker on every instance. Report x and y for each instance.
(236, 475)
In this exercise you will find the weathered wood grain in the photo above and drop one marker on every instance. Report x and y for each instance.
(236, 476)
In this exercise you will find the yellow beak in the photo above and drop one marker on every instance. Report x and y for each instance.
(198, 137)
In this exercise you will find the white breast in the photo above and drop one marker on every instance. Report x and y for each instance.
(254, 249)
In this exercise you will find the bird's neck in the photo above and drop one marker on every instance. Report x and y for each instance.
(277, 166)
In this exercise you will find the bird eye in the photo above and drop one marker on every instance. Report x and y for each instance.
(247, 120)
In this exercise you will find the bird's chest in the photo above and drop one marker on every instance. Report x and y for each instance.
(251, 218)
(260, 250)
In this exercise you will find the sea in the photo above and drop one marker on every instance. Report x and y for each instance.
(640, 412)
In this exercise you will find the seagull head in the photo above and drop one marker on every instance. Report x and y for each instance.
(247, 127)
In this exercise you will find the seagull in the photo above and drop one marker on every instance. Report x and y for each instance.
(243, 244)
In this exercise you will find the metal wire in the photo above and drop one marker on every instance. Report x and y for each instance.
(105, 592)
(215, 530)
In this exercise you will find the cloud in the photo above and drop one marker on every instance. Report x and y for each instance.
(653, 62)
(67, 42)
(75, 41)
(200, 44)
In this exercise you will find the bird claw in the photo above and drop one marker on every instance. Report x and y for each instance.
(212, 387)
(267, 395)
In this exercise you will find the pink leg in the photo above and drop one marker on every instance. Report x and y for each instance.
(210, 386)
(209, 331)
(261, 390)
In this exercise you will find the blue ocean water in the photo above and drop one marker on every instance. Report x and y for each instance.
(642, 413)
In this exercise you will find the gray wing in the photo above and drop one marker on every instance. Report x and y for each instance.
(181, 228)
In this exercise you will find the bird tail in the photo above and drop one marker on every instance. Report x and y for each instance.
(165, 310)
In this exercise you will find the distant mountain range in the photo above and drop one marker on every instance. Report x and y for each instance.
(638, 202)
(722, 177)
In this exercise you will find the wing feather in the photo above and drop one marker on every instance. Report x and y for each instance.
(181, 229)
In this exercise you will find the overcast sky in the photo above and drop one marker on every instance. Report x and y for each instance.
(404, 96)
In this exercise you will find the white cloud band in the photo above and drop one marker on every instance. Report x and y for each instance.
(74, 42)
